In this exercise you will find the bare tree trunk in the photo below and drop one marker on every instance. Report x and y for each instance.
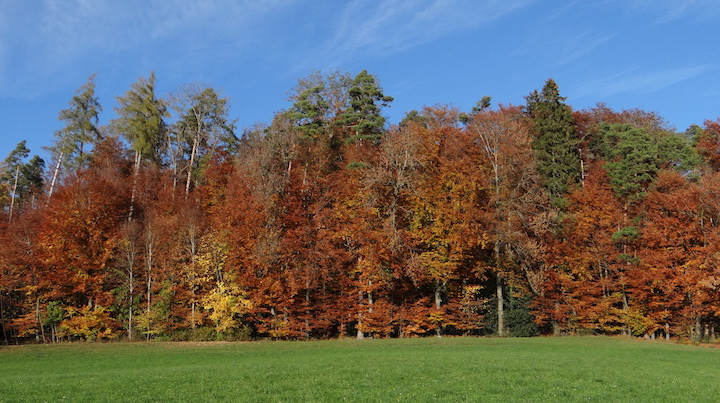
(2, 318)
(148, 280)
(130, 309)
(39, 320)
(149, 248)
(307, 308)
(360, 334)
(499, 290)
(439, 288)
(138, 159)
(173, 162)
(193, 249)
(130, 254)
(582, 168)
(500, 308)
(196, 141)
(55, 176)
(14, 192)
(556, 326)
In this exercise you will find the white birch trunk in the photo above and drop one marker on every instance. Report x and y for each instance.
(14, 192)
(55, 176)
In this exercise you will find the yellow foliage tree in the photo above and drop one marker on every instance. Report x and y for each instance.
(226, 305)
(90, 323)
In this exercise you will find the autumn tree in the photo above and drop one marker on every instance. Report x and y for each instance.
(708, 143)
(673, 286)
(79, 239)
(446, 228)
(584, 286)
(24, 281)
(517, 204)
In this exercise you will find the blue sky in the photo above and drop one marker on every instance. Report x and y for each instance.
(656, 55)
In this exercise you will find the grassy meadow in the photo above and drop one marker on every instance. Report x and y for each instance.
(413, 370)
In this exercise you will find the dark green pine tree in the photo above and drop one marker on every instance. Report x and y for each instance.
(556, 142)
(635, 157)
(363, 118)
(21, 181)
(14, 161)
(32, 173)
(632, 157)
(309, 112)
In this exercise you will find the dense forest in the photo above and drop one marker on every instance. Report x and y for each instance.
(169, 223)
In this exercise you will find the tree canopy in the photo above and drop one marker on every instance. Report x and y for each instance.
(330, 222)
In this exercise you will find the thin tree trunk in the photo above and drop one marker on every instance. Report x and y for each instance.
(307, 309)
(149, 303)
(2, 318)
(582, 169)
(556, 326)
(499, 290)
(626, 307)
(138, 159)
(438, 302)
(130, 310)
(39, 319)
(360, 334)
(193, 249)
(14, 192)
(500, 307)
(130, 271)
(149, 248)
(196, 142)
(55, 176)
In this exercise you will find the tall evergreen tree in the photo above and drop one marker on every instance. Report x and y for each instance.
(363, 116)
(556, 143)
(81, 126)
(81, 129)
(318, 101)
(141, 120)
(308, 112)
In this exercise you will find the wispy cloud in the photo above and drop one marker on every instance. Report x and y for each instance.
(564, 47)
(670, 10)
(62, 35)
(79, 37)
(634, 82)
(370, 28)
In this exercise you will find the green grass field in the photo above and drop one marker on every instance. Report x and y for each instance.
(431, 369)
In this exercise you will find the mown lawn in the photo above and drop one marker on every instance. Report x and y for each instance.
(414, 370)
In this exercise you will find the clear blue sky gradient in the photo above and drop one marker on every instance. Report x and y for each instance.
(656, 55)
